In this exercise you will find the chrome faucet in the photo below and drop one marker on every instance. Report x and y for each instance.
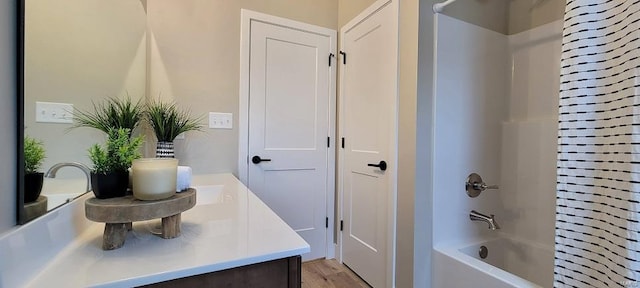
(476, 216)
(51, 173)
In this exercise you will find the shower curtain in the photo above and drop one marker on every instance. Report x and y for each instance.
(598, 195)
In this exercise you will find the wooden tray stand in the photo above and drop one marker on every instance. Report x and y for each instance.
(119, 213)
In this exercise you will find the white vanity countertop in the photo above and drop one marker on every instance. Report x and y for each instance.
(229, 227)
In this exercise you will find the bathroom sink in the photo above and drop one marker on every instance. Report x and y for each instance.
(209, 194)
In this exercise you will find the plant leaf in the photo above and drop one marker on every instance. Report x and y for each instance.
(168, 121)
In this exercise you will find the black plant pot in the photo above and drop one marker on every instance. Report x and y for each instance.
(110, 185)
(32, 186)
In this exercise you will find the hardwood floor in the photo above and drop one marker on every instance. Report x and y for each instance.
(329, 273)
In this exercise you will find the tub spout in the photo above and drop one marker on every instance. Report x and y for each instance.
(54, 169)
(476, 216)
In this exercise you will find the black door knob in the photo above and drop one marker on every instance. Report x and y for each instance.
(256, 160)
(382, 165)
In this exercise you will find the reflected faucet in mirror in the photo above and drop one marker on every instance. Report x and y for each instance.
(51, 173)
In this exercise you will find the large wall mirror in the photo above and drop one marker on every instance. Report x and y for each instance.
(82, 51)
(75, 52)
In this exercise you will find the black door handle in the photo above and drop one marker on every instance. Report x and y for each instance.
(256, 160)
(382, 165)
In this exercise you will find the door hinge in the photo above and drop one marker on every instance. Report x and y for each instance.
(328, 142)
(343, 142)
(341, 225)
(331, 55)
(344, 57)
(326, 222)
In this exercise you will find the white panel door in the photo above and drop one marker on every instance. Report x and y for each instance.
(289, 96)
(369, 113)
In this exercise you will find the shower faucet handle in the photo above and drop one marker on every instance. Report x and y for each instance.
(474, 185)
(482, 186)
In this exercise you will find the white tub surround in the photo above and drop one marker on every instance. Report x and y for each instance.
(470, 90)
(229, 227)
(496, 107)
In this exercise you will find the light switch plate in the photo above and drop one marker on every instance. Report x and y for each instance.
(219, 120)
(48, 112)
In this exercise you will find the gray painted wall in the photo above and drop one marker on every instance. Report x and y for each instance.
(7, 115)
(423, 211)
(489, 14)
(348, 9)
(407, 97)
(526, 14)
(506, 17)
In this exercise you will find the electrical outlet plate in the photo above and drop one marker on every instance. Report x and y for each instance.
(48, 112)
(219, 120)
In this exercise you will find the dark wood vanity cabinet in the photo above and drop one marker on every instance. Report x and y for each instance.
(280, 273)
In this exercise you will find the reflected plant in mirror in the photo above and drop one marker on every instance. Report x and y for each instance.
(34, 155)
(112, 113)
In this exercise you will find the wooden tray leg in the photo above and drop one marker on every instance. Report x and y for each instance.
(171, 226)
(114, 235)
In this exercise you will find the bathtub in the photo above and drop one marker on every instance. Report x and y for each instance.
(509, 263)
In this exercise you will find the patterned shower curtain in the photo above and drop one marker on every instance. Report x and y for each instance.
(598, 197)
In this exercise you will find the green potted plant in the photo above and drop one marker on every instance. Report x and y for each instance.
(110, 175)
(111, 113)
(167, 122)
(34, 155)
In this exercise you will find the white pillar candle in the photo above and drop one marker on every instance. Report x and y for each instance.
(154, 178)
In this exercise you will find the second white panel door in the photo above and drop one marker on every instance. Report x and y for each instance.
(368, 115)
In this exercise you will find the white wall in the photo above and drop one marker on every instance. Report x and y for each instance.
(8, 114)
(502, 126)
(529, 137)
(470, 95)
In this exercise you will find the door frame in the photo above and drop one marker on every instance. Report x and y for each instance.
(393, 153)
(243, 116)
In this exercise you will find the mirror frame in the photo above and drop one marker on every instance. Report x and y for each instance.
(20, 17)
